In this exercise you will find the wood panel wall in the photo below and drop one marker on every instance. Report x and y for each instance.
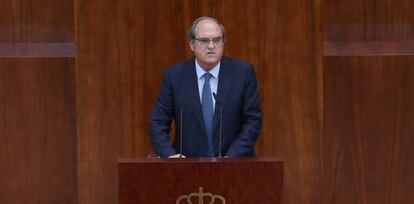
(368, 92)
(38, 21)
(38, 158)
(78, 79)
(37, 128)
(368, 129)
(368, 20)
(118, 68)
(123, 49)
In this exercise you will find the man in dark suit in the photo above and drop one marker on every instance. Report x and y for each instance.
(199, 89)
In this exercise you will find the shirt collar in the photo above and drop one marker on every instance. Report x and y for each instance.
(200, 71)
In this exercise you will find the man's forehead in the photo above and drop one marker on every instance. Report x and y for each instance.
(207, 24)
(208, 28)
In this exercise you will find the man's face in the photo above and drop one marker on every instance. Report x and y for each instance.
(208, 54)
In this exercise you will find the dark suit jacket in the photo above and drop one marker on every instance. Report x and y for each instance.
(237, 91)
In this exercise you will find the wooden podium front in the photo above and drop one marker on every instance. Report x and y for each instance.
(169, 181)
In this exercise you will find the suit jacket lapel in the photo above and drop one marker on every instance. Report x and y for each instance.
(192, 84)
(223, 89)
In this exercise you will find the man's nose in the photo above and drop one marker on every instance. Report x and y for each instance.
(211, 45)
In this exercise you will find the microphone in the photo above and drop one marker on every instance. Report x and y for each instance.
(181, 124)
(221, 121)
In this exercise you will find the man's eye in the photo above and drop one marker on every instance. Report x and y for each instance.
(216, 40)
(205, 40)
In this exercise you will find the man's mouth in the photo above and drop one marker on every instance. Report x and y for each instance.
(211, 53)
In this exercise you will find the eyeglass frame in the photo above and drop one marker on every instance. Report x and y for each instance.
(203, 41)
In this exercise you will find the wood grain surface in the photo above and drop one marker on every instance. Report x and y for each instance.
(367, 143)
(123, 48)
(37, 21)
(368, 20)
(335, 81)
(154, 181)
(37, 131)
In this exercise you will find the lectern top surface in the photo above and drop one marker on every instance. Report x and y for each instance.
(199, 160)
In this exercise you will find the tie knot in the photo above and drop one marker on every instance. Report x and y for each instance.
(207, 77)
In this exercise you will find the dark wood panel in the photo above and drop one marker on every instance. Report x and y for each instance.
(368, 20)
(37, 21)
(154, 181)
(367, 143)
(37, 131)
(123, 47)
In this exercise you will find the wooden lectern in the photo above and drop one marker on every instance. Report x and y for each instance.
(200, 180)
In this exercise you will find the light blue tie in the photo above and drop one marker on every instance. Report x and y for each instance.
(207, 105)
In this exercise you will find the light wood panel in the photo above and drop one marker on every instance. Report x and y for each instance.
(266, 33)
(50, 50)
(123, 47)
(367, 144)
(368, 48)
(37, 131)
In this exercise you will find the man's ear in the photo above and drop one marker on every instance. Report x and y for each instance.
(191, 43)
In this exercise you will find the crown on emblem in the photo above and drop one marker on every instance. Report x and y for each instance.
(201, 196)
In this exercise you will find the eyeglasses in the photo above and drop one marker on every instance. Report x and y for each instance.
(206, 41)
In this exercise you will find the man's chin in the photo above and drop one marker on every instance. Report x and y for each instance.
(212, 59)
(213, 62)
(210, 62)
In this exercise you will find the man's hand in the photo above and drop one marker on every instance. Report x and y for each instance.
(177, 156)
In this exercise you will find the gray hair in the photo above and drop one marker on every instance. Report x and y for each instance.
(192, 30)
